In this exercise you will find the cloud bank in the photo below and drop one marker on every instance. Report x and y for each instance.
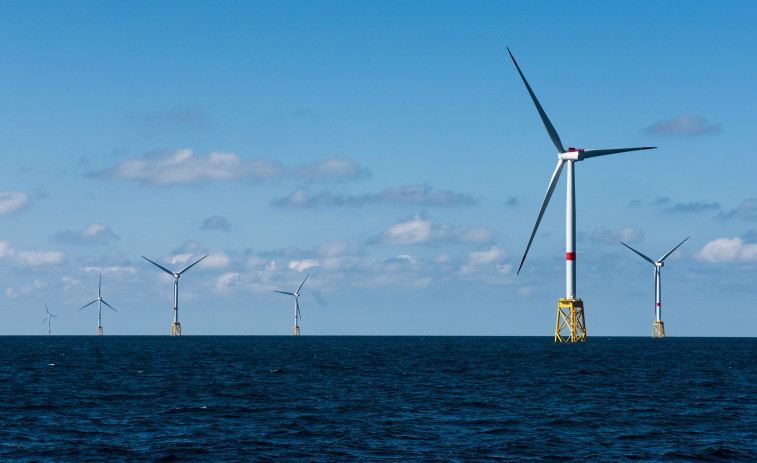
(94, 234)
(410, 195)
(183, 167)
(688, 126)
(13, 257)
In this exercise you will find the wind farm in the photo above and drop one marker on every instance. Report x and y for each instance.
(100, 301)
(175, 325)
(658, 327)
(570, 325)
(296, 294)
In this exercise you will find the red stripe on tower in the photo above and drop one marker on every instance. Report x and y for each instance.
(570, 256)
(658, 304)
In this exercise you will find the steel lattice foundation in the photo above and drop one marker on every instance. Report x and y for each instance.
(570, 325)
(658, 329)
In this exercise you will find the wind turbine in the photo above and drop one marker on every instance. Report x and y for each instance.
(47, 319)
(658, 327)
(100, 301)
(175, 326)
(296, 294)
(570, 312)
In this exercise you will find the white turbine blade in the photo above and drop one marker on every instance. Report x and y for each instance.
(550, 128)
(114, 310)
(585, 154)
(159, 266)
(297, 304)
(90, 303)
(303, 282)
(637, 252)
(47, 311)
(284, 292)
(198, 260)
(550, 190)
(43, 321)
(671, 251)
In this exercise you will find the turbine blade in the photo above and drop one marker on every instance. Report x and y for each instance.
(297, 304)
(159, 266)
(550, 190)
(47, 311)
(43, 321)
(303, 282)
(547, 124)
(114, 310)
(90, 303)
(99, 287)
(671, 251)
(198, 260)
(284, 292)
(637, 252)
(585, 154)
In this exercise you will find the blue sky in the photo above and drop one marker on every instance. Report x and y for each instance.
(389, 149)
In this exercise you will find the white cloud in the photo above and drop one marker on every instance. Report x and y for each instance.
(180, 258)
(183, 167)
(10, 292)
(724, 250)
(747, 210)
(414, 231)
(216, 260)
(226, 280)
(69, 282)
(28, 258)
(12, 201)
(419, 230)
(410, 195)
(304, 264)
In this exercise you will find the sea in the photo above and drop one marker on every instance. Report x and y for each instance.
(377, 398)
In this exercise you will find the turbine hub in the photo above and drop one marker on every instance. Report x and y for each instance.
(659, 264)
(573, 154)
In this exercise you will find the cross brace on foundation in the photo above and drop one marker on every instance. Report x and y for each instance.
(570, 325)
(175, 329)
(296, 330)
(658, 329)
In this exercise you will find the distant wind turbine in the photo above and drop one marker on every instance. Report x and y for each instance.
(100, 301)
(570, 312)
(47, 319)
(658, 327)
(175, 326)
(296, 294)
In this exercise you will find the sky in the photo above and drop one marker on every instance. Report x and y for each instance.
(387, 149)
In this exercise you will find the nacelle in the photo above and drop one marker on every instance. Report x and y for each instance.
(573, 154)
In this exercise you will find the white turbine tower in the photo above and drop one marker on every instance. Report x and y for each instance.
(100, 301)
(175, 326)
(570, 312)
(658, 327)
(47, 319)
(296, 294)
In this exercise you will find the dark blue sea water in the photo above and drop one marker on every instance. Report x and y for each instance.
(321, 399)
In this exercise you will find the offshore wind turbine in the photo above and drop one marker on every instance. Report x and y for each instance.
(658, 327)
(296, 294)
(570, 310)
(100, 301)
(175, 326)
(47, 319)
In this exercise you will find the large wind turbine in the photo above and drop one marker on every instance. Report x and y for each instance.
(175, 326)
(296, 294)
(570, 309)
(658, 328)
(47, 319)
(100, 301)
